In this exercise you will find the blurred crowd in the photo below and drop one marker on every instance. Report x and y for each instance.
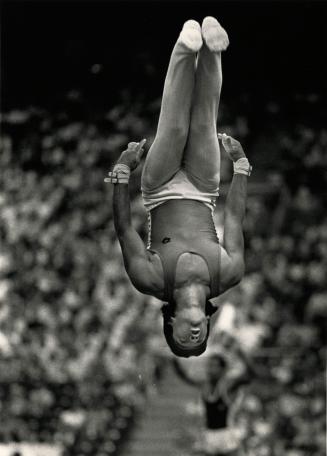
(76, 358)
(78, 353)
(284, 300)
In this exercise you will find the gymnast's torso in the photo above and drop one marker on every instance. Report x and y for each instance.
(183, 245)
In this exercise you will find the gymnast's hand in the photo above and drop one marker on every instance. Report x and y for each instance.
(132, 155)
(233, 147)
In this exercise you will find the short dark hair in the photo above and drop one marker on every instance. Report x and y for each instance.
(168, 311)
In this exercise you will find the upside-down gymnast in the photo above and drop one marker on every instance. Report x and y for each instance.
(184, 264)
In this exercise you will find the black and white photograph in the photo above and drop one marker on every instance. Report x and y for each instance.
(163, 228)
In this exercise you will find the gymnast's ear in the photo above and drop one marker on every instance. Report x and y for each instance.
(172, 321)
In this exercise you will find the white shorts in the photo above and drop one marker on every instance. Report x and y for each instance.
(179, 187)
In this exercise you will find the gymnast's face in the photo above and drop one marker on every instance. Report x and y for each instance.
(190, 327)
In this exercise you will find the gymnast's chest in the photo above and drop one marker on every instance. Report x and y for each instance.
(190, 267)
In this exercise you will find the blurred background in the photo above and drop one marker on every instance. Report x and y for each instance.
(83, 366)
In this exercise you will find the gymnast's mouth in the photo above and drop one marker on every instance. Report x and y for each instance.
(190, 342)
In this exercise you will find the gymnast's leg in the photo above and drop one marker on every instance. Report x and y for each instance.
(202, 154)
(165, 155)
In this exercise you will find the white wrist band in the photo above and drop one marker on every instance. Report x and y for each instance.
(119, 175)
(242, 166)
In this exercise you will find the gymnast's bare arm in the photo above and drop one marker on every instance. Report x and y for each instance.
(232, 269)
(136, 259)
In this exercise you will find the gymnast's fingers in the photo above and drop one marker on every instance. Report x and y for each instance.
(140, 149)
(132, 145)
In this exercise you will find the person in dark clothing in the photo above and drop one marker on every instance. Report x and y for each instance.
(220, 395)
(184, 263)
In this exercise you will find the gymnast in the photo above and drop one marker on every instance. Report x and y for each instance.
(184, 264)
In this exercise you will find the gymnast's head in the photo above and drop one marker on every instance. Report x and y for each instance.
(186, 330)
